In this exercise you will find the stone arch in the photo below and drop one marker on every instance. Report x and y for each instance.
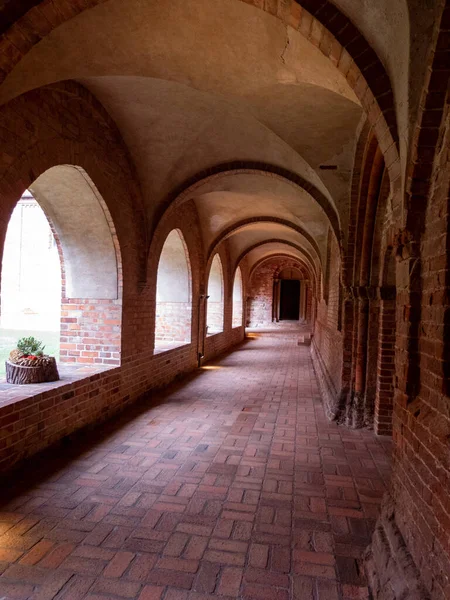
(215, 297)
(173, 294)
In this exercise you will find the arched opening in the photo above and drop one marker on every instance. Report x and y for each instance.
(290, 297)
(31, 281)
(173, 295)
(269, 285)
(237, 299)
(61, 271)
(214, 313)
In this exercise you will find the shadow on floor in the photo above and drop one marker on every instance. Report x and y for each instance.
(45, 463)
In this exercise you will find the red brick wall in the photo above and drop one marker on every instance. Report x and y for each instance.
(327, 340)
(410, 551)
(90, 331)
(173, 321)
(421, 427)
(385, 373)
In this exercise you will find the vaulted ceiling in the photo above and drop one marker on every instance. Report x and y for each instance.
(206, 84)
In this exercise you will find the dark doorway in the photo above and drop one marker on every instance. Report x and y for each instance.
(289, 300)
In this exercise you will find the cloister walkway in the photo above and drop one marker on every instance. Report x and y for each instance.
(230, 484)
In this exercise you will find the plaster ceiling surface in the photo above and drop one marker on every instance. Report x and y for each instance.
(385, 25)
(191, 85)
(206, 44)
(230, 199)
(257, 233)
(174, 132)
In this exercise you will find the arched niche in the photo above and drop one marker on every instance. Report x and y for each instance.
(237, 299)
(173, 294)
(90, 273)
(215, 305)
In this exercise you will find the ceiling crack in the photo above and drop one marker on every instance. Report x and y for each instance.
(286, 46)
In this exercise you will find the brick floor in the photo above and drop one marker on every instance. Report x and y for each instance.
(229, 485)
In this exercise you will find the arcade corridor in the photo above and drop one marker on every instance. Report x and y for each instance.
(190, 161)
(231, 484)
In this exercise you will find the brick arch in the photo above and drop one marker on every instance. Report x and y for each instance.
(215, 297)
(281, 269)
(185, 220)
(187, 259)
(34, 149)
(173, 319)
(358, 165)
(188, 189)
(322, 23)
(237, 304)
(277, 255)
(267, 219)
(369, 196)
(93, 265)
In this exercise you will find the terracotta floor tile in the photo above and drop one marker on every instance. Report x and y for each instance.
(230, 483)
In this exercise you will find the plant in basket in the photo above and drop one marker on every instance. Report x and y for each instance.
(28, 364)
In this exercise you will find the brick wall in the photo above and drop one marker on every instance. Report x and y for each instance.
(421, 478)
(327, 340)
(385, 372)
(90, 331)
(409, 556)
(173, 321)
